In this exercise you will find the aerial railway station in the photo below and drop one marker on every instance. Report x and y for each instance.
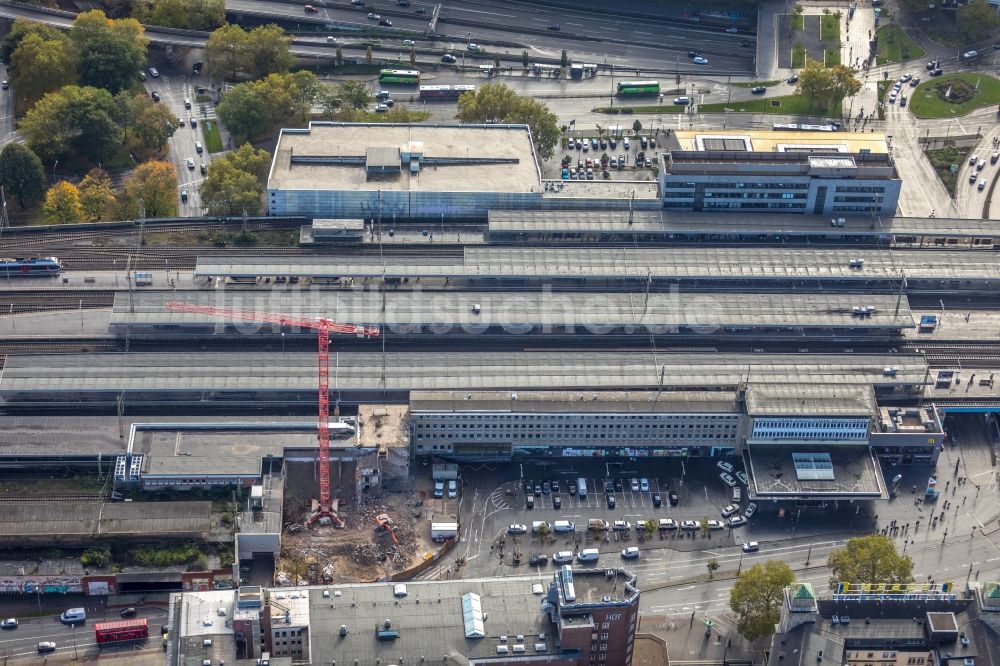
(671, 228)
(642, 269)
(413, 315)
(200, 379)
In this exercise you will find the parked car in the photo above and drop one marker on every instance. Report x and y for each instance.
(657, 501)
(634, 485)
(438, 489)
(905, 77)
(730, 510)
(689, 524)
(538, 560)
(751, 547)
(622, 525)
(517, 529)
(737, 521)
(630, 553)
(672, 496)
(452, 489)
(728, 480)
(556, 502)
(644, 485)
(546, 487)
(155, 73)
(724, 466)
(563, 557)
(742, 476)
(572, 489)
(715, 524)
(155, 96)
(751, 509)
(618, 486)
(611, 501)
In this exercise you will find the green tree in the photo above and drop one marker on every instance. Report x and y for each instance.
(154, 125)
(355, 94)
(153, 186)
(190, 14)
(524, 59)
(757, 596)
(368, 55)
(340, 56)
(22, 174)
(564, 59)
(112, 52)
(712, 565)
(495, 103)
(267, 51)
(228, 190)
(21, 28)
(74, 121)
(636, 127)
(224, 52)
(496, 63)
(254, 108)
(870, 559)
(247, 158)
(825, 87)
(328, 100)
(40, 66)
(703, 526)
(62, 204)
(244, 112)
(97, 196)
(976, 20)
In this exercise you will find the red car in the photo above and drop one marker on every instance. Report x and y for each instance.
(311, 10)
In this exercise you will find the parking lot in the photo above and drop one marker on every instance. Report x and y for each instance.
(491, 503)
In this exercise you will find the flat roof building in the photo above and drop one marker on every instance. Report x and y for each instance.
(817, 173)
(358, 170)
(565, 618)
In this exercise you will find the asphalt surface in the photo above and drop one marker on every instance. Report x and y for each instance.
(174, 88)
(21, 644)
(590, 36)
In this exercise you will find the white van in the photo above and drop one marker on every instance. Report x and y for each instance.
(73, 616)
(588, 555)
(536, 527)
(563, 557)
(563, 526)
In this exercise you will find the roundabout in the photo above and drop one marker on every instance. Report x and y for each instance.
(954, 95)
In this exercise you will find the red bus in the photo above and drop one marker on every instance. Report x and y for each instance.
(121, 631)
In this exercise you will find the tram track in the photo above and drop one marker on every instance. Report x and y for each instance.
(53, 498)
(25, 301)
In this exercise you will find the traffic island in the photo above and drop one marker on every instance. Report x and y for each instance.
(954, 95)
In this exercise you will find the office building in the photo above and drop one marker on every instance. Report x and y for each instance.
(839, 174)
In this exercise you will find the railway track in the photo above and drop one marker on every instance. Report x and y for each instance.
(24, 301)
(53, 498)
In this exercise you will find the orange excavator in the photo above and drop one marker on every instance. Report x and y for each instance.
(385, 523)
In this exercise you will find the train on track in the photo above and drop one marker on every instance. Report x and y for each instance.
(37, 266)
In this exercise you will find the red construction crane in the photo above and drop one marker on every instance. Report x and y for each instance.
(323, 327)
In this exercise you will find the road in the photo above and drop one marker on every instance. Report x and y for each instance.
(23, 641)
(174, 90)
(587, 35)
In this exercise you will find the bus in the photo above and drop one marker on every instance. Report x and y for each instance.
(401, 76)
(121, 631)
(638, 88)
(540, 69)
(445, 92)
(795, 127)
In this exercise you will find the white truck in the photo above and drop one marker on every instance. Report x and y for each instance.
(444, 531)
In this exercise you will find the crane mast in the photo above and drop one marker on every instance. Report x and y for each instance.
(323, 328)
